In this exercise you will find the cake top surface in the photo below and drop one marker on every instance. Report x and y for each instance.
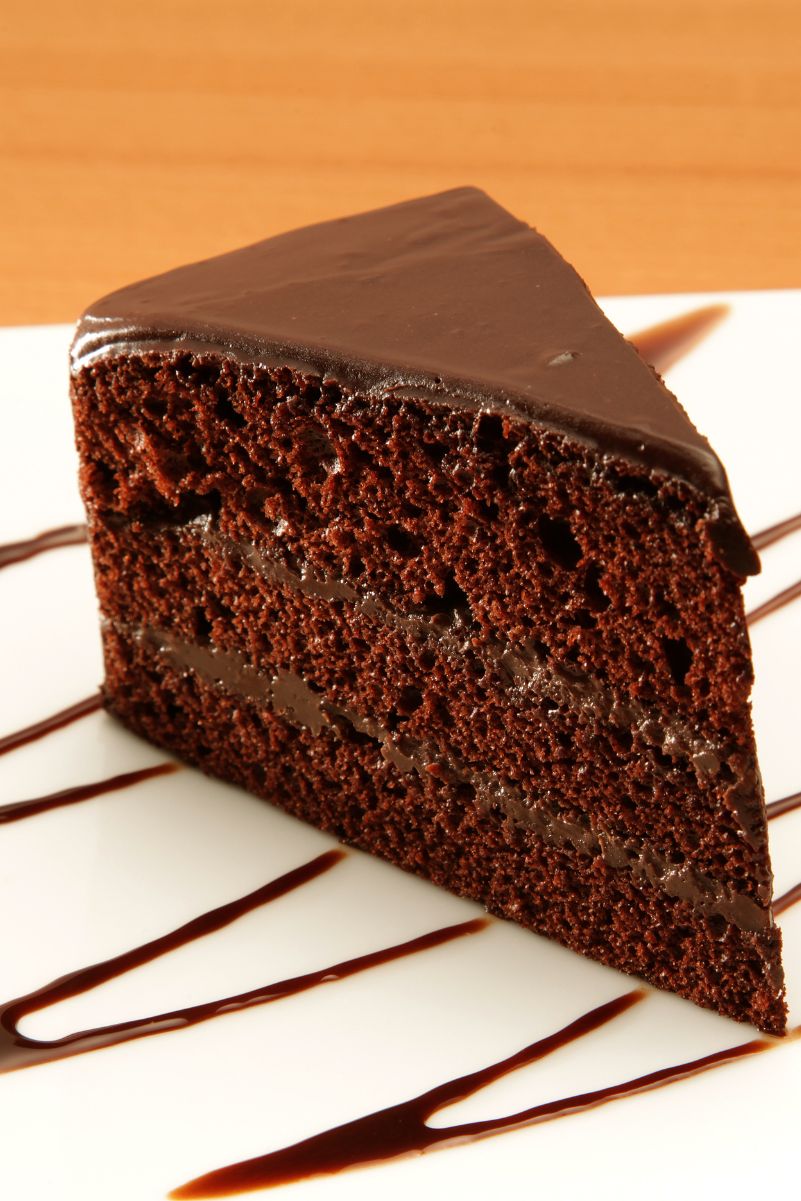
(449, 294)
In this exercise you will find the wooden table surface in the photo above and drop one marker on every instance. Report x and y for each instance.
(657, 144)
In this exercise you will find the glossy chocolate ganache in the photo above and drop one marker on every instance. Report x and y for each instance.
(450, 296)
(400, 1129)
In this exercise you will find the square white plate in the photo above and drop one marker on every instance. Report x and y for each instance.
(80, 884)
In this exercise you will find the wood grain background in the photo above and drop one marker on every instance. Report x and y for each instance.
(657, 144)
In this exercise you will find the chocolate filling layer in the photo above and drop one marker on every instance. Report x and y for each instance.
(289, 696)
(524, 667)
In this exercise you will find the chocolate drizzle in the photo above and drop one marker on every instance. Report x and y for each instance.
(775, 533)
(48, 725)
(785, 805)
(28, 548)
(785, 597)
(18, 810)
(791, 897)
(17, 1051)
(401, 1130)
(664, 344)
(762, 540)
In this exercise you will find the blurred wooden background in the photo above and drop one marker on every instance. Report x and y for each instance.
(658, 144)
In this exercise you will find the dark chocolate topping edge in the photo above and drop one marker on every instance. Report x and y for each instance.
(448, 297)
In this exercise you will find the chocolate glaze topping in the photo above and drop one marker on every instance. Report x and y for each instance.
(448, 294)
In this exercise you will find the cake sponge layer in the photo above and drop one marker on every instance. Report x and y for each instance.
(338, 780)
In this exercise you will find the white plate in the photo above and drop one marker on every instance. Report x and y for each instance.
(83, 883)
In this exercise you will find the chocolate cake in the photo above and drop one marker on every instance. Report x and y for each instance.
(391, 527)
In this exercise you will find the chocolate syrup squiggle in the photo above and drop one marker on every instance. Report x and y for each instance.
(48, 725)
(28, 548)
(785, 597)
(19, 810)
(785, 805)
(664, 344)
(401, 1130)
(791, 897)
(775, 533)
(18, 1051)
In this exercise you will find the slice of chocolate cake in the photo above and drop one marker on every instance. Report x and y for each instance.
(393, 528)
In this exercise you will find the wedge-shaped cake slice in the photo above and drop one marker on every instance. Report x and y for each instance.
(393, 528)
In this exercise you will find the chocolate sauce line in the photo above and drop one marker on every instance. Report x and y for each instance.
(17, 1051)
(40, 729)
(664, 344)
(397, 1130)
(19, 810)
(784, 902)
(28, 548)
(401, 1130)
(775, 533)
(774, 603)
(775, 809)
(785, 805)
